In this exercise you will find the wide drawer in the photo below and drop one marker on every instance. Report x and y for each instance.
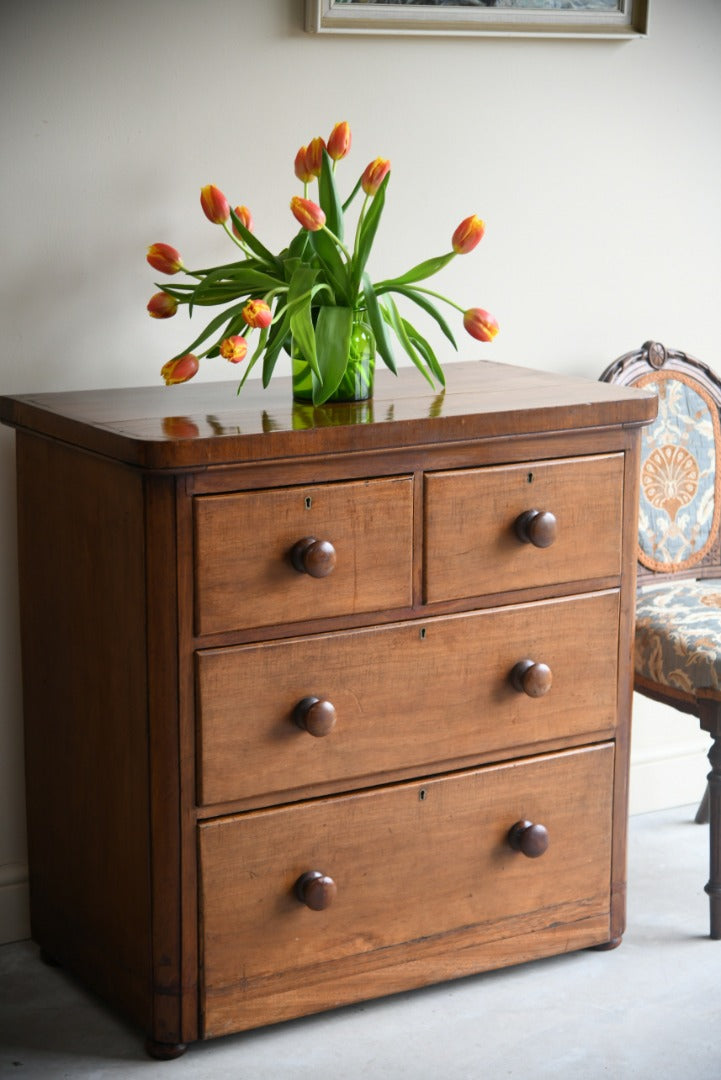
(425, 876)
(472, 541)
(244, 574)
(405, 696)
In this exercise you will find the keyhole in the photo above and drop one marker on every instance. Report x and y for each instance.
(308, 502)
(423, 633)
(530, 478)
(422, 794)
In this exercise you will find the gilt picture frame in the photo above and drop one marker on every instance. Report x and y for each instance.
(601, 19)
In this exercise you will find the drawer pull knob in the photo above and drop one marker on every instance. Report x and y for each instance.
(532, 679)
(531, 840)
(315, 715)
(314, 557)
(537, 527)
(316, 890)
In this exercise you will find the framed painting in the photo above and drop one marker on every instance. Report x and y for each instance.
(610, 19)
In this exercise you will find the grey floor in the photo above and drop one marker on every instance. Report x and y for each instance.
(650, 1009)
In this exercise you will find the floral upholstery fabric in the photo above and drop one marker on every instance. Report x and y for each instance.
(680, 474)
(678, 636)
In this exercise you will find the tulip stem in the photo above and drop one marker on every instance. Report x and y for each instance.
(340, 243)
(246, 250)
(439, 296)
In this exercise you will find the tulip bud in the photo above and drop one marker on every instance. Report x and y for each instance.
(374, 175)
(180, 370)
(468, 234)
(308, 213)
(164, 258)
(243, 213)
(302, 170)
(480, 324)
(214, 203)
(257, 314)
(234, 348)
(314, 156)
(162, 306)
(339, 141)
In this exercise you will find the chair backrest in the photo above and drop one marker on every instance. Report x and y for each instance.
(680, 491)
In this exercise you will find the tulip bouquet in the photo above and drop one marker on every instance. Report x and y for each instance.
(310, 296)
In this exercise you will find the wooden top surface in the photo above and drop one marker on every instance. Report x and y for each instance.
(200, 424)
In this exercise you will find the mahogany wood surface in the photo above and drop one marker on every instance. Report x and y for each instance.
(415, 694)
(193, 691)
(259, 941)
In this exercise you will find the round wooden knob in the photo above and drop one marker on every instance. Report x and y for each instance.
(530, 678)
(316, 890)
(315, 715)
(537, 527)
(531, 840)
(314, 557)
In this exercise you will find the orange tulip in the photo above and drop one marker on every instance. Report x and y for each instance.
(162, 306)
(180, 370)
(301, 167)
(339, 141)
(374, 175)
(308, 213)
(243, 213)
(257, 314)
(234, 349)
(314, 156)
(468, 234)
(164, 258)
(480, 324)
(214, 203)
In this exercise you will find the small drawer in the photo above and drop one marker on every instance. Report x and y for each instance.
(513, 527)
(255, 564)
(311, 712)
(304, 907)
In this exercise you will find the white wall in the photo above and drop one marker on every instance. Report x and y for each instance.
(595, 164)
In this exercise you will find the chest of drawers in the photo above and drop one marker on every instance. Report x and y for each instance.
(324, 704)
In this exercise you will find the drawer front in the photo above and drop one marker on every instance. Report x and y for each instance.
(244, 575)
(472, 546)
(407, 696)
(412, 863)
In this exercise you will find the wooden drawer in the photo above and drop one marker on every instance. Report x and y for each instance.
(244, 576)
(472, 547)
(425, 878)
(407, 696)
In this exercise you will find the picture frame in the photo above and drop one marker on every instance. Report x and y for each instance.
(600, 19)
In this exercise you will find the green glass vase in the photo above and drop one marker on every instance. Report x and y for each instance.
(357, 381)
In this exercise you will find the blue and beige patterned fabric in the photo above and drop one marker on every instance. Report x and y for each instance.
(678, 636)
(680, 474)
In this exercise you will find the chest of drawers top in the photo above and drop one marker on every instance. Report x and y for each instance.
(193, 427)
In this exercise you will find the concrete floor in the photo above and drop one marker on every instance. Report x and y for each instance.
(649, 1010)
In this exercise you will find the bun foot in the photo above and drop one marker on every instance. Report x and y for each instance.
(606, 946)
(165, 1051)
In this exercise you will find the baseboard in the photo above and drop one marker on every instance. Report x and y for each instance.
(14, 903)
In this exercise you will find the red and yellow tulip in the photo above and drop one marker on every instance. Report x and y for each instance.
(234, 348)
(308, 213)
(180, 370)
(468, 234)
(162, 306)
(164, 258)
(215, 205)
(480, 324)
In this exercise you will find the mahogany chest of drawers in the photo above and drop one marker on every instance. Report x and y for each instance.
(324, 704)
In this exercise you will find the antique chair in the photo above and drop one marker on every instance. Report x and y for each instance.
(678, 604)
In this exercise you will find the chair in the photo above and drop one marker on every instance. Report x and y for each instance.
(678, 602)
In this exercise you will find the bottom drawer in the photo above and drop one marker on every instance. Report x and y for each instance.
(427, 887)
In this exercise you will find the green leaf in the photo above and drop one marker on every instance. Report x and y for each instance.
(328, 197)
(397, 323)
(262, 341)
(377, 325)
(333, 333)
(300, 294)
(213, 325)
(251, 240)
(367, 232)
(333, 265)
(426, 350)
(420, 272)
(276, 341)
(431, 309)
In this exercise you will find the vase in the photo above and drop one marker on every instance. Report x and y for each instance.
(357, 381)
